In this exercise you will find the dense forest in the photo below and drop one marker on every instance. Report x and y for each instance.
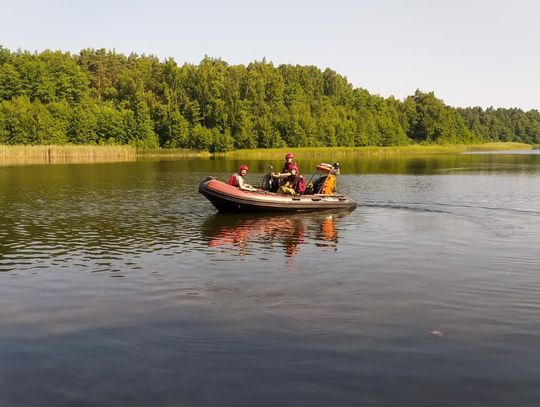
(103, 97)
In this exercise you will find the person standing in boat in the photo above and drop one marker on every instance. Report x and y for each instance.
(286, 171)
(289, 162)
(237, 179)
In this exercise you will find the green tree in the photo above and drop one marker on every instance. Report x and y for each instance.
(25, 122)
(101, 96)
(82, 124)
(10, 82)
(436, 122)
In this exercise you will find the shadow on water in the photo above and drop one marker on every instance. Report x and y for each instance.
(242, 233)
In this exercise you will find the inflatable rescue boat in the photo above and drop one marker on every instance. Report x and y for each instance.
(227, 198)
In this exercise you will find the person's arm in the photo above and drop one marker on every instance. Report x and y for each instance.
(244, 186)
(281, 175)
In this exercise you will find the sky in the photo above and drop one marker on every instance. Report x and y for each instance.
(469, 52)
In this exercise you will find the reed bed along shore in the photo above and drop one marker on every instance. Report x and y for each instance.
(53, 154)
(172, 152)
(373, 150)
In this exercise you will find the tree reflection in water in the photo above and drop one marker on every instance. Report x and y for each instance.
(243, 233)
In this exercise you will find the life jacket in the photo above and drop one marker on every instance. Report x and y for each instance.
(233, 180)
(329, 186)
(301, 185)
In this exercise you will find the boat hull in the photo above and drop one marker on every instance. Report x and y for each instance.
(227, 198)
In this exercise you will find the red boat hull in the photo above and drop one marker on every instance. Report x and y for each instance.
(227, 198)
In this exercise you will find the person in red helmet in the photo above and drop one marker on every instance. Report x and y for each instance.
(292, 185)
(289, 161)
(287, 176)
(237, 179)
(286, 171)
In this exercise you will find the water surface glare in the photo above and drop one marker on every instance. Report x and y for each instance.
(121, 286)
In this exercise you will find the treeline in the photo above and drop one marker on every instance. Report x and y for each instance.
(503, 124)
(102, 97)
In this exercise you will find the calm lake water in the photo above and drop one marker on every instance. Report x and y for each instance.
(121, 286)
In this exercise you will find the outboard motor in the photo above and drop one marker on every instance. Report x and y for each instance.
(267, 183)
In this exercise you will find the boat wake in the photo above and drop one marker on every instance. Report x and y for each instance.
(443, 207)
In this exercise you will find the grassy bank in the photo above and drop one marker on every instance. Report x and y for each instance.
(24, 154)
(373, 150)
(172, 152)
(336, 151)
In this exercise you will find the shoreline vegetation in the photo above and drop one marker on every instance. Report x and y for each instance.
(62, 154)
(371, 151)
(58, 154)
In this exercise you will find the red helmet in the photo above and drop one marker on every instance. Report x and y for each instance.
(243, 167)
(289, 155)
(291, 167)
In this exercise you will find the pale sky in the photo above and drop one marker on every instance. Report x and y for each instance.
(469, 52)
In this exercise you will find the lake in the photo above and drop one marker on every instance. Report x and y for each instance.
(121, 286)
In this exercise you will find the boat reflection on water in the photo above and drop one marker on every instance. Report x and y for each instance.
(246, 233)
